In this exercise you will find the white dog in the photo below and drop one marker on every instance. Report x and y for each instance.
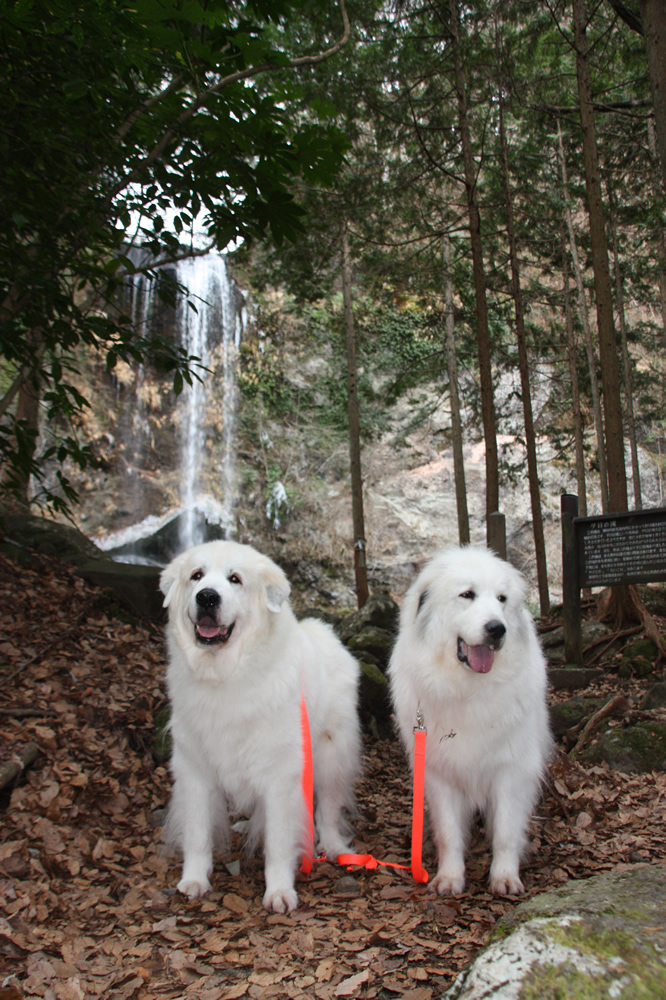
(239, 663)
(468, 660)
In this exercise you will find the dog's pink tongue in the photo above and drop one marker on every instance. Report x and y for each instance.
(480, 658)
(207, 628)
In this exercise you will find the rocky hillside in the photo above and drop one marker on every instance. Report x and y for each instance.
(286, 478)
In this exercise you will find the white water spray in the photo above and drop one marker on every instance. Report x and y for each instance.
(214, 321)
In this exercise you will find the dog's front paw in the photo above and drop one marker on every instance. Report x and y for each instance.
(194, 888)
(280, 900)
(506, 884)
(447, 883)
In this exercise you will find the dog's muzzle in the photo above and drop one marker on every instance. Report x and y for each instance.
(207, 629)
(480, 658)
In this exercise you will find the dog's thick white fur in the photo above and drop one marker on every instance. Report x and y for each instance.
(469, 660)
(239, 663)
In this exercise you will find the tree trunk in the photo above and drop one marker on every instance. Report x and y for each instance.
(589, 346)
(653, 16)
(456, 422)
(358, 520)
(608, 352)
(15, 478)
(626, 357)
(572, 354)
(523, 365)
(482, 328)
(623, 601)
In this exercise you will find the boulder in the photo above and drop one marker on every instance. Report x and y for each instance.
(598, 937)
(635, 749)
(134, 587)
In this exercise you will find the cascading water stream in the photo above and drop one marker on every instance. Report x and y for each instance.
(208, 327)
(214, 322)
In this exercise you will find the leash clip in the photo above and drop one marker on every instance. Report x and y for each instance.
(420, 725)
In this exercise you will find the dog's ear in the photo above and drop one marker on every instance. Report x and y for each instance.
(276, 586)
(168, 578)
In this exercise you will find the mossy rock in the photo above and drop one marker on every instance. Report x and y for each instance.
(591, 939)
(568, 714)
(635, 666)
(380, 611)
(376, 642)
(635, 750)
(655, 697)
(641, 648)
(374, 701)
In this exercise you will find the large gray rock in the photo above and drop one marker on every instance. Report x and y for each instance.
(591, 939)
(134, 587)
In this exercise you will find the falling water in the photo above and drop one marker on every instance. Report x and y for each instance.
(208, 326)
(214, 322)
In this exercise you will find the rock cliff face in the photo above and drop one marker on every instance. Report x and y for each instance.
(277, 459)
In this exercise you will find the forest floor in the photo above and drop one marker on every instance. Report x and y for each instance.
(87, 900)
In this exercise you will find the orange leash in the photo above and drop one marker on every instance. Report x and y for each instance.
(419, 874)
(308, 787)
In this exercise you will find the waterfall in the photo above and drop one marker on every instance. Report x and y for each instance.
(214, 323)
(207, 325)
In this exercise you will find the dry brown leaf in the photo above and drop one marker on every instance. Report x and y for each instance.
(348, 987)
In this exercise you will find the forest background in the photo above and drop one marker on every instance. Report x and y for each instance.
(450, 192)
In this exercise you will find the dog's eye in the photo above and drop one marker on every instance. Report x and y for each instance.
(197, 575)
(234, 578)
(468, 595)
(501, 598)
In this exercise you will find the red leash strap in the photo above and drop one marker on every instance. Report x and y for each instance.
(308, 794)
(419, 874)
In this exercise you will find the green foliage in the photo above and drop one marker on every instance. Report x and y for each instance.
(116, 117)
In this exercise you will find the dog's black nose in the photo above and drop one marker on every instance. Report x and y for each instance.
(495, 631)
(208, 598)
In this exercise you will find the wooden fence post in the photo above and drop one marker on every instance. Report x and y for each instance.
(570, 581)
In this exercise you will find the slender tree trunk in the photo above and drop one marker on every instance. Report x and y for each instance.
(523, 365)
(456, 422)
(572, 353)
(589, 346)
(16, 480)
(358, 520)
(624, 604)
(653, 17)
(626, 357)
(659, 192)
(482, 328)
(608, 353)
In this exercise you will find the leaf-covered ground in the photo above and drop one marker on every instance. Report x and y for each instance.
(87, 900)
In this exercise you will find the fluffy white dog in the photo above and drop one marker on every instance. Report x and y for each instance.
(469, 661)
(239, 663)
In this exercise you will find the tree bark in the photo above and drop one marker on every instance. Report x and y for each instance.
(482, 328)
(523, 365)
(626, 357)
(653, 17)
(572, 353)
(608, 347)
(358, 520)
(456, 422)
(587, 333)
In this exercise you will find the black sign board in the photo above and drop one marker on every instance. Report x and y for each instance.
(605, 551)
(621, 548)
